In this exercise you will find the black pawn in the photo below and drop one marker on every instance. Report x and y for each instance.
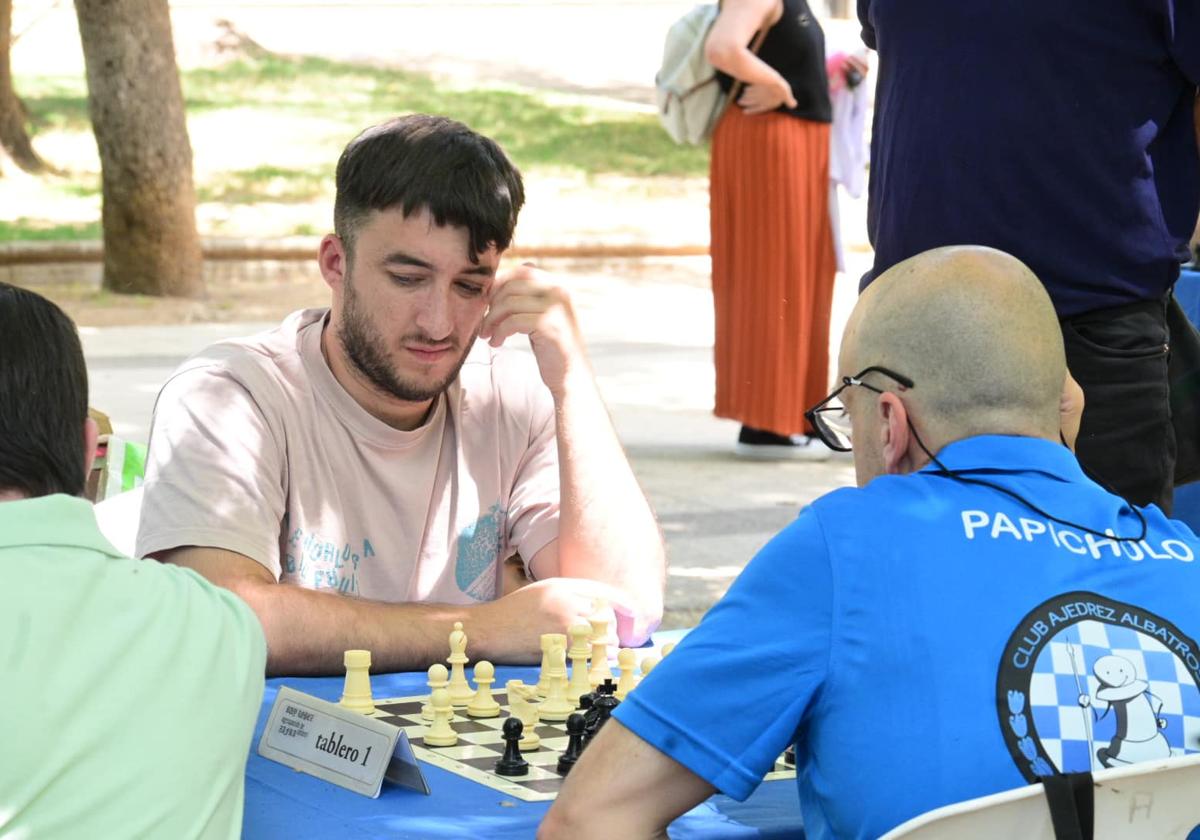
(789, 756)
(574, 745)
(511, 763)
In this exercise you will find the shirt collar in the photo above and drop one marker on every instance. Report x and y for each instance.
(1009, 454)
(59, 520)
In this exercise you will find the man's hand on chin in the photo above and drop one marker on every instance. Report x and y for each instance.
(527, 300)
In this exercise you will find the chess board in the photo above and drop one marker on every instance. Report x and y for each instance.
(480, 743)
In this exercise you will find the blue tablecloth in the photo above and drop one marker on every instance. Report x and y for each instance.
(1187, 497)
(281, 803)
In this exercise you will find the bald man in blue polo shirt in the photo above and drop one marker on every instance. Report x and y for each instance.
(976, 614)
(1062, 133)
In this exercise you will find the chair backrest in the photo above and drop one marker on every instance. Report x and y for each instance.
(1155, 799)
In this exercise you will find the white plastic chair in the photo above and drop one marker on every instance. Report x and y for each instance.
(1155, 800)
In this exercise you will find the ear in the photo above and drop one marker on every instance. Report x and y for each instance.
(332, 260)
(91, 434)
(896, 437)
(1070, 410)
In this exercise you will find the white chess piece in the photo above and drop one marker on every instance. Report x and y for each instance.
(626, 662)
(439, 677)
(599, 640)
(483, 705)
(556, 706)
(522, 704)
(648, 665)
(460, 690)
(549, 642)
(667, 648)
(440, 732)
(579, 684)
(356, 693)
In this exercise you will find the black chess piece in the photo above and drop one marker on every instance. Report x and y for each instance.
(575, 726)
(789, 756)
(603, 706)
(511, 763)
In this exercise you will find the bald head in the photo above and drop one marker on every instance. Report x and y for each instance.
(975, 330)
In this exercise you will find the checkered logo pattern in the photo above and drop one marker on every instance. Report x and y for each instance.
(1069, 732)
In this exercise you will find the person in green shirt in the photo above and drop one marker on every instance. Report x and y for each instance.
(129, 688)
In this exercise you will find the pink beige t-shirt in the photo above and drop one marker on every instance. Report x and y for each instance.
(256, 448)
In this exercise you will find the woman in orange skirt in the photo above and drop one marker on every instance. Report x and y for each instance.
(773, 261)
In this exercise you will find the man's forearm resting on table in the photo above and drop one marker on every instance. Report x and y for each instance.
(308, 631)
(622, 787)
(607, 531)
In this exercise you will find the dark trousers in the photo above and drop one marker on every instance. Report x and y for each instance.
(1139, 367)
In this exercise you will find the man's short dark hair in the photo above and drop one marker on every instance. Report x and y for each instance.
(43, 397)
(420, 161)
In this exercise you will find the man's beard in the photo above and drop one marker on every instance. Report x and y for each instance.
(367, 351)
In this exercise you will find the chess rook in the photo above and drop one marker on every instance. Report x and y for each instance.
(356, 693)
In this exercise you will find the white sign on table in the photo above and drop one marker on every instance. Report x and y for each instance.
(333, 743)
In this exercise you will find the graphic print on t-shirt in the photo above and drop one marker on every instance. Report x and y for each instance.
(1088, 683)
(322, 563)
(478, 553)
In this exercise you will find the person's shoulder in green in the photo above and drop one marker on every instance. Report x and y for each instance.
(132, 687)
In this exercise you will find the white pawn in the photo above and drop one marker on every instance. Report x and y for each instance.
(440, 732)
(579, 684)
(460, 690)
(648, 665)
(626, 662)
(556, 706)
(356, 693)
(667, 648)
(549, 642)
(439, 677)
(483, 705)
(523, 706)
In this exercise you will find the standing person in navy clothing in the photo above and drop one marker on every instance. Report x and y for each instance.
(1061, 133)
(961, 623)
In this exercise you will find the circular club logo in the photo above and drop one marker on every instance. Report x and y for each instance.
(1088, 683)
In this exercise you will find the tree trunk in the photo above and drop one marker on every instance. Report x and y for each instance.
(13, 136)
(136, 105)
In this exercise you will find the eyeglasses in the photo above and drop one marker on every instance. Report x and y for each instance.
(832, 424)
(829, 417)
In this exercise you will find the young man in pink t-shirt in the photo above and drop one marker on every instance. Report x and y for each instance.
(381, 463)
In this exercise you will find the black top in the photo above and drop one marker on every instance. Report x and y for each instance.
(795, 46)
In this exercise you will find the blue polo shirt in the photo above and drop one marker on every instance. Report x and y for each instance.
(924, 641)
(1060, 132)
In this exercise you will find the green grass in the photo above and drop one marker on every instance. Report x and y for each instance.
(535, 133)
(342, 98)
(267, 183)
(39, 230)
